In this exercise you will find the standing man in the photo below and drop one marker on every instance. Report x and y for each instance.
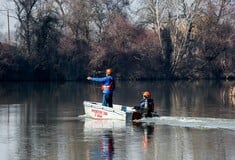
(108, 86)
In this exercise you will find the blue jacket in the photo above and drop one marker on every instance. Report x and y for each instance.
(108, 84)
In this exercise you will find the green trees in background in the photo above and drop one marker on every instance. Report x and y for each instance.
(151, 39)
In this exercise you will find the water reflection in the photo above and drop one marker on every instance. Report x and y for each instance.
(107, 144)
(187, 143)
(102, 135)
(30, 128)
(147, 132)
(232, 95)
(141, 144)
(103, 148)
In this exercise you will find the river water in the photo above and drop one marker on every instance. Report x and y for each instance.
(46, 121)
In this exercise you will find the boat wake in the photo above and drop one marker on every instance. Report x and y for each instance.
(192, 122)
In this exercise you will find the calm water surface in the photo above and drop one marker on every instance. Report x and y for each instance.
(40, 121)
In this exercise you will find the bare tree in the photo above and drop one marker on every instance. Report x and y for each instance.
(25, 14)
(214, 33)
(182, 31)
(103, 11)
(61, 8)
(172, 21)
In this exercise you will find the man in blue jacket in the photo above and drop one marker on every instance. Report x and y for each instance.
(108, 86)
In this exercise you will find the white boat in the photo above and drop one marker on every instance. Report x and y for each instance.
(117, 112)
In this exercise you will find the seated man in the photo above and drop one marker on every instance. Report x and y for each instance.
(146, 106)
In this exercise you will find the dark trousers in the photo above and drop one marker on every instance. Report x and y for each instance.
(107, 100)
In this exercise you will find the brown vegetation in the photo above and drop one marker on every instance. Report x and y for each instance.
(67, 40)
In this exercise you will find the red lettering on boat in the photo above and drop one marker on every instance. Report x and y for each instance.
(98, 113)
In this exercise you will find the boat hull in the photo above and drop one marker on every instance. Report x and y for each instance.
(97, 111)
(117, 112)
